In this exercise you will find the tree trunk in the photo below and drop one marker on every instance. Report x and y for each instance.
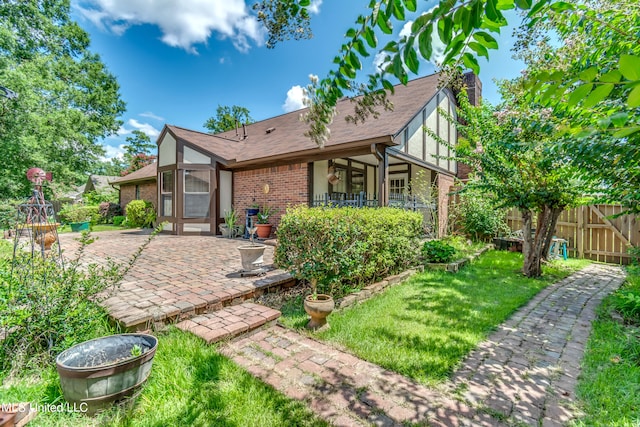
(536, 247)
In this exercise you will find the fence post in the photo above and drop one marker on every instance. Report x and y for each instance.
(580, 234)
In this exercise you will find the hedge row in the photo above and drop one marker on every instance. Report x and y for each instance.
(346, 248)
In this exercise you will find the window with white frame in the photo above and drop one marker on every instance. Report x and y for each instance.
(196, 193)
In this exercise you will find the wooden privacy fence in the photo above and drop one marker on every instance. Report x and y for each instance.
(592, 234)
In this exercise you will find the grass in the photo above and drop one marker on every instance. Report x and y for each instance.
(609, 386)
(424, 327)
(463, 246)
(191, 384)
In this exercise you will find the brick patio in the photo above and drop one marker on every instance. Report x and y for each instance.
(175, 277)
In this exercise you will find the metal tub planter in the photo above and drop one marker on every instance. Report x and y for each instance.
(95, 373)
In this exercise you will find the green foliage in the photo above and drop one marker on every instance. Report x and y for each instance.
(8, 213)
(284, 19)
(109, 210)
(140, 213)
(634, 252)
(79, 213)
(109, 195)
(67, 99)
(231, 218)
(339, 248)
(626, 300)
(228, 118)
(475, 215)
(265, 213)
(437, 251)
(45, 307)
(119, 220)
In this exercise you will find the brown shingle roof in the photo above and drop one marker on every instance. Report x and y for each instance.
(148, 172)
(287, 137)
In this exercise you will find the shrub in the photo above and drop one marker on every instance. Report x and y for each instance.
(626, 300)
(344, 248)
(109, 195)
(108, 210)
(118, 220)
(475, 215)
(8, 214)
(437, 251)
(140, 213)
(46, 307)
(79, 213)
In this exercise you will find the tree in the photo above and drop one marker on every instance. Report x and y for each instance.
(67, 100)
(228, 118)
(138, 152)
(517, 162)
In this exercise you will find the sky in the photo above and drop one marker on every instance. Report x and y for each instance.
(177, 60)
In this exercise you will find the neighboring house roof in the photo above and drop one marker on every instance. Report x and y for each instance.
(283, 136)
(94, 182)
(147, 173)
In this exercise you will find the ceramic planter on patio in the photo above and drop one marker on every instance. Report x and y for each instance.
(251, 256)
(318, 307)
(97, 372)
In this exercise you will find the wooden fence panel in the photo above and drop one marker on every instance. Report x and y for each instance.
(592, 233)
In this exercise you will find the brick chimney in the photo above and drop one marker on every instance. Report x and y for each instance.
(474, 91)
(474, 87)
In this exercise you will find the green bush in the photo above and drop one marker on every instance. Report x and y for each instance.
(45, 307)
(8, 214)
(626, 300)
(475, 215)
(437, 251)
(108, 210)
(345, 248)
(79, 213)
(140, 213)
(118, 220)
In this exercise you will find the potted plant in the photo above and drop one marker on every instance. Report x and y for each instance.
(318, 306)
(77, 216)
(251, 256)
(228, 228)
(262, 220)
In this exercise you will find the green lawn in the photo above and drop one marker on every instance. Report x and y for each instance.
(425, 326)
(191, 384)
(609, 387)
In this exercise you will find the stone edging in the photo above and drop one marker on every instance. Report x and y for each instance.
(454, 266)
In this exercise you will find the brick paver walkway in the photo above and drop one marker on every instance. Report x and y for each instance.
(525, 373)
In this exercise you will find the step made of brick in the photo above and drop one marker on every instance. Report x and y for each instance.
(229, 322)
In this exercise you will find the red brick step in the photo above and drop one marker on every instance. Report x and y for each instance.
(229, 322)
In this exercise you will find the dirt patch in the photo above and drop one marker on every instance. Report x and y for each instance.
(277, 299)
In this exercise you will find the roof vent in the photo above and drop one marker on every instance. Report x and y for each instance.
(269, 130)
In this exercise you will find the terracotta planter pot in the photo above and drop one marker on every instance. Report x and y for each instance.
(318, 309)
(263, 230)
(97, 372)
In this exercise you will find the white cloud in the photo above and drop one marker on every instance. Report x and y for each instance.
(183, 23)
(294, 101)
(133, 124)
(314, 7)
(150, 115)
(111, 152)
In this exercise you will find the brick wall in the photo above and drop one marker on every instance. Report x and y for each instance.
(148, 191)
(445, 183)
(288, 185)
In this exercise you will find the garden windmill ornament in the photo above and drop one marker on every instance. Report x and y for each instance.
(36, 218)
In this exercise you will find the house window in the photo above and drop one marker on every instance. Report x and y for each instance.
(396, 186)
(166, 193)
(196, 193)
(137, 192)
